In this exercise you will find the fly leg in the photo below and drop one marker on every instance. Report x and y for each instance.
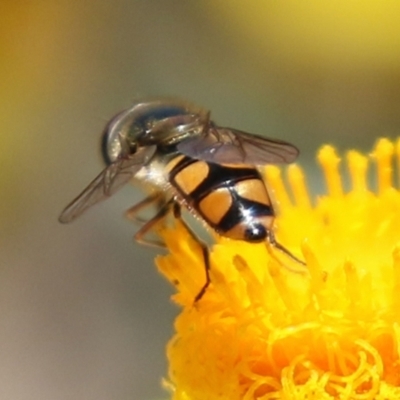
(149, 225)
(132, 212)
(203, 247)
(271, 241)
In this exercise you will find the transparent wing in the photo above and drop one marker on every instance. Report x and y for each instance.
(231, 146)
(107, 183)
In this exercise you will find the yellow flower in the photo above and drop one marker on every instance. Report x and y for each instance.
(262, 331)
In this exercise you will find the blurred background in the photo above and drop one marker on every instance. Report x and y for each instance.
(83, 312)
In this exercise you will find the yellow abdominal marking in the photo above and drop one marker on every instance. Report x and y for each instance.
(254, 190)
(262, 332)
(176, 160)
(191, 176)
(216, 204)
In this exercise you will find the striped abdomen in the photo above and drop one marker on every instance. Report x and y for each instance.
(232, 199)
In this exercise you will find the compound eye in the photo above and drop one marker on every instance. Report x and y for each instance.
(119, 139)
(111, 148)
(255, 233)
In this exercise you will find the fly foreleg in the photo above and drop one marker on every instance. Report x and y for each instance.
(163, 211)
(132, 213)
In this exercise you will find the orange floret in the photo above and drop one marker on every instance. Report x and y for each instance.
(263, 332)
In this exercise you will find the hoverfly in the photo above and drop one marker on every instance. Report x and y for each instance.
(190, 162)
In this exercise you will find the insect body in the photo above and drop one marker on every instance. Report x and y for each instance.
(190, 161)
(231, 199)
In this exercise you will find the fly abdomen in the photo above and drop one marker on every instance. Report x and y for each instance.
(232, 199)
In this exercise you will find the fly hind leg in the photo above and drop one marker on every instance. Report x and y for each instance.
(203, 247)
(271, 241)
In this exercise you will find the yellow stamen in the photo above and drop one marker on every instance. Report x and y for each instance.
(263, 332)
